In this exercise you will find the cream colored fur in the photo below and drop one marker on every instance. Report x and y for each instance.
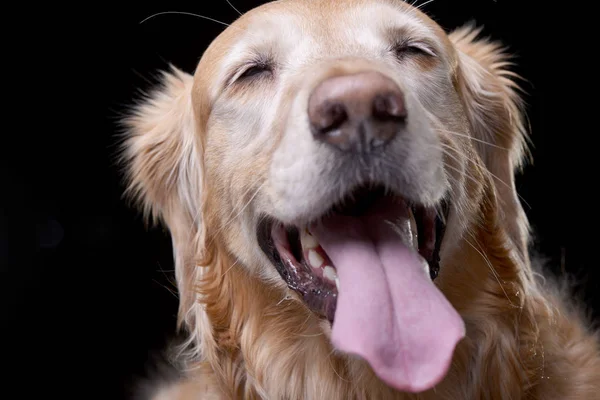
(203, 154)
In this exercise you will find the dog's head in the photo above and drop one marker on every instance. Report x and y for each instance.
(323, 148)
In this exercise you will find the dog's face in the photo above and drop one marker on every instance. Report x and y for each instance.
(275, 146)
(273, 133)
(327, 145)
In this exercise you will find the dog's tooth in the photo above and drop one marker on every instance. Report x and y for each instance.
(315, 259)
(337, 283)
(413, 229)
(330, 273)
(308, 241)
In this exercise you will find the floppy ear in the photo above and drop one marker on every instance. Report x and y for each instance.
(494, 109)
(164, 171)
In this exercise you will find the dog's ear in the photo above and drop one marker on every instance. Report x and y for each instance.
(494, 108)
(162, 159)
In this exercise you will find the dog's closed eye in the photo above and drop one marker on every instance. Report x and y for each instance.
(253, 71)
(405, 49)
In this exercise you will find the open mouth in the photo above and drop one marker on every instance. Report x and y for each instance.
(307, 268)
(368, 266)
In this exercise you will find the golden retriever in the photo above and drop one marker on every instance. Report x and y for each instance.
(338, 181)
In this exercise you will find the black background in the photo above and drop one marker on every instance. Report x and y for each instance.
(88, 288)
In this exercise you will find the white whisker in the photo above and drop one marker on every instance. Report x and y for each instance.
(229, 269)
(285, 298)
(308, 336)
(172, 291)
(164, 272)
(473, 138)
(232, 6)
(486, 169)
(333, 367)
(229, 217)
(508, 186)
(491, 267)
(185, 13)
(232, 219)
(424, 4)
(464, 173)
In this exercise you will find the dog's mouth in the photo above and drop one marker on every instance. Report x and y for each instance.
(306, 267)
(368, 265)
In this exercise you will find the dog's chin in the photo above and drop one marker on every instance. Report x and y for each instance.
(305, 266)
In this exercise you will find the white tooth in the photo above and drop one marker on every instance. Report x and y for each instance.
(330, 273)
(425, 266)
(413, 230)
(308, 241)
(315, 259)
(404, 230)
(337, 283)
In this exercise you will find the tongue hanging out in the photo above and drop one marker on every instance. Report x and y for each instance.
(389, 312)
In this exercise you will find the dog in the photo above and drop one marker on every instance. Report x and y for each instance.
(338, 181)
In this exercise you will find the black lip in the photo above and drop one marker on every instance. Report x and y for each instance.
(440, 230)
(268, 247)
(314, 292)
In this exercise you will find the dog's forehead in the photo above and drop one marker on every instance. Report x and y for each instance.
(297, 31)
(325, 29)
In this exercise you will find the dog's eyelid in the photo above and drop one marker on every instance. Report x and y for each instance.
(416, 45)
(424, 47)
(249, 69)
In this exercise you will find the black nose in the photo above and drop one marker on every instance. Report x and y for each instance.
(356, 113)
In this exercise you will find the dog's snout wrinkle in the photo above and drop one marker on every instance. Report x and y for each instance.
(356, 113)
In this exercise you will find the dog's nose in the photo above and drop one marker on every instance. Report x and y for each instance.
(357, 113)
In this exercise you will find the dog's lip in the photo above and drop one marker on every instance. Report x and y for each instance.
(320, 294)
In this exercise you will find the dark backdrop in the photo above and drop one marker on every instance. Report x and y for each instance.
(88, 288)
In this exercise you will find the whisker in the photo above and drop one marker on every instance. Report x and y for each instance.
(249, 200)
(486, 169)
(308, 336)
(333, 367)
(166, 288)
(424, 4)
(473, 138)
(445, 149)
(164, 272)
(390, 164)
(185, 13)
(508, 186)
(229, 269)
(148, 81)
(232, 211)
(232, 6)
(487, 260)
(285, 298)
(230, 220)
(490, 266)
(455, 158)
(464, 173)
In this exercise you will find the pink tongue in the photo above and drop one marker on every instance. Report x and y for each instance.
(389, 312)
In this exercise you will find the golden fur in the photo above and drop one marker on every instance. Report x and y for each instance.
(251, 337)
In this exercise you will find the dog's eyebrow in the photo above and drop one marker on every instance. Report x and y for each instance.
(409, 33)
